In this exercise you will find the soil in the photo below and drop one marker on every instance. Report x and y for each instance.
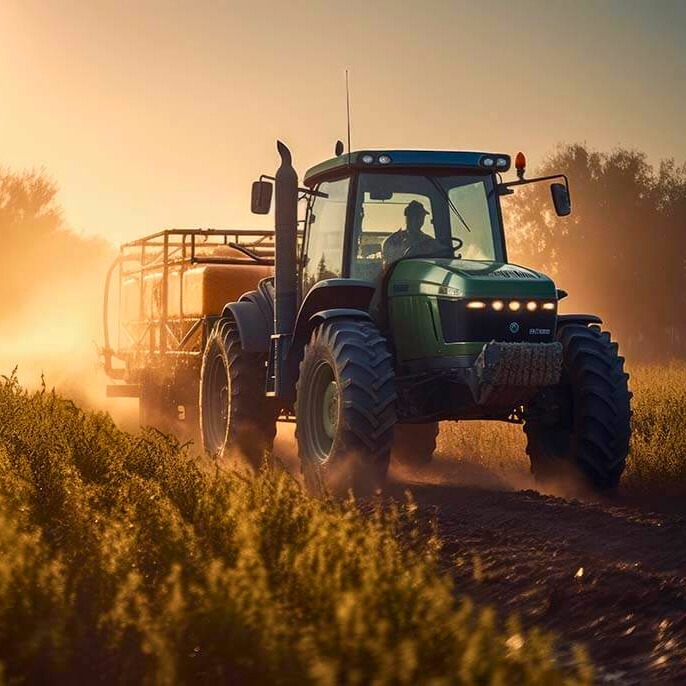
(609, 575)
(606, 574)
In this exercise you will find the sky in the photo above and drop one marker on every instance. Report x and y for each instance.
(154, 114)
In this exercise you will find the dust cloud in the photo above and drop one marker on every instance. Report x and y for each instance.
(51, 290)
(52, 338)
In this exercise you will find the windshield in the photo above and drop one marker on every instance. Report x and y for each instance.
(407, 215)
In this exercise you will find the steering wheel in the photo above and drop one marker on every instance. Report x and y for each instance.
(415, 246)
(441, 246)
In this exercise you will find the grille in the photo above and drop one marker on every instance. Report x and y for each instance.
(461, 325)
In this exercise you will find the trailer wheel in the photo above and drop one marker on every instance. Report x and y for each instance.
(345, 408)
(584, 422)
(235, 416)
(414, 444)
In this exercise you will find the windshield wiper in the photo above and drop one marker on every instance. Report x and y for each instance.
(450, 203)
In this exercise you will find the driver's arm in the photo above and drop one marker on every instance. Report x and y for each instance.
(391, 248)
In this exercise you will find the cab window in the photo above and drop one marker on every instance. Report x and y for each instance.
(325, 233)
(472, 202)
(455, 215)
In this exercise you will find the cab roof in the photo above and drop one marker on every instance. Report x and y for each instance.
(483, 162)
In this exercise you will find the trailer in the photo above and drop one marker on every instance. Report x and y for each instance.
(163, 294)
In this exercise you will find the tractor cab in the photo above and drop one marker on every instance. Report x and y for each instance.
(367, 210)
(372, 209)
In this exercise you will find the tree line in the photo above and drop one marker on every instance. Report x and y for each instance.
(621, 254)
(39, 254)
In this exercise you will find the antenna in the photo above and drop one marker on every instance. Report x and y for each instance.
(347, 103)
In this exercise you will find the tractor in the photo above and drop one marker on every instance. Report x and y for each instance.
(392, 306)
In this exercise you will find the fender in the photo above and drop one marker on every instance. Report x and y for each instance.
(347, 296)
(254, 317)
(338, 313)
(583, 319)
(326, 300)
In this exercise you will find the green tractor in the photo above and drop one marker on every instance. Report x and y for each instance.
(393, 307)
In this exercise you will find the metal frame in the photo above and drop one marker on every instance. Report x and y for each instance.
(521, 181)
(149, 339)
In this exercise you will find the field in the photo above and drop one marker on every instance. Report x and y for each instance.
(657, 461)
(127, 559)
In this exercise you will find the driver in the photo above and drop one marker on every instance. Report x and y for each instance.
(395, 246)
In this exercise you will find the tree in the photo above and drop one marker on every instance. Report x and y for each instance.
(37, 250)
(621, 253)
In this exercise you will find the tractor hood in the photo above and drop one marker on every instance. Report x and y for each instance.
(468, 278)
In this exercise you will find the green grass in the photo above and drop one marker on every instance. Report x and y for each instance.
(123, 560)
(657, 457)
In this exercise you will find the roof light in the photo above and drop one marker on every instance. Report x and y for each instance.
(531, 306)
(497, 305)
(367, 159)
(501, 162)
(514, 305)
(476, 305)
(548, 306)
(487, 161)
(384, 159)
(520, 164)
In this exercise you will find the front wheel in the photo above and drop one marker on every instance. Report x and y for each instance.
(235, 416)
(584, 422)
(345, 408)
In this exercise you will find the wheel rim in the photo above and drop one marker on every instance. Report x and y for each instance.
(323, 412)
(216, 397)
(330, 410)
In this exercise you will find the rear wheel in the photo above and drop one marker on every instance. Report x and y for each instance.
(414, 444)
(584, 422)
(235, 416)
(345, 408)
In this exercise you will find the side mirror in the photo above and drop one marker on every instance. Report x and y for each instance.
(561, 201)
(261, 198)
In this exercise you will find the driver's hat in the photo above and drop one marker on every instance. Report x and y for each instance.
(415, 207)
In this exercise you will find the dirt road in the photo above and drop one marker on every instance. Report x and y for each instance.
(608, 575)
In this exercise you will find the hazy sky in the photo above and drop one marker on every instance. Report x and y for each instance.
(153, 114)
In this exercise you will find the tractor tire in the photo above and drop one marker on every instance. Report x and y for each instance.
(345, 408)
(236, 418)
(414, 444)
(582, 425)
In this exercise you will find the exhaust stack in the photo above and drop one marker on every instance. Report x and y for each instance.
(285, 243)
